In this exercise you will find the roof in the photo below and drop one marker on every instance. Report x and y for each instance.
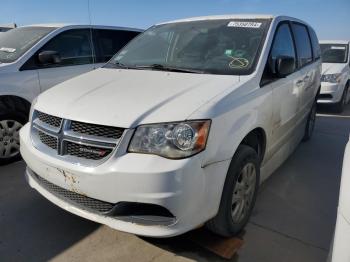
(61, 25)
(342, 42)
(217, 17)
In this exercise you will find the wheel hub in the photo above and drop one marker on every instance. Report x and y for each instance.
(9, 138)
(243, 193)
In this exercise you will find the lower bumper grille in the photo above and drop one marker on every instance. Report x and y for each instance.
(82, 201)
(141, 213)
(325, 96)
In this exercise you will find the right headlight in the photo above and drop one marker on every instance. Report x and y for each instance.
(171, 140)
(331, 78)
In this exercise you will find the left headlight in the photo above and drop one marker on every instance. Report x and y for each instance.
(171, 140)
(331, 78)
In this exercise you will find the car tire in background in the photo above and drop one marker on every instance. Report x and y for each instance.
(239, 193)
(13, 115)
(339, 107)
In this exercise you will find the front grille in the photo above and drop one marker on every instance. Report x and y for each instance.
(48, 140)
(97, 130)
(73, 139)
(49, 120)
(87, 152)
(82, 201)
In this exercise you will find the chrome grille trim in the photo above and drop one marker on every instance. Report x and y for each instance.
(90, 144)
(84, 202)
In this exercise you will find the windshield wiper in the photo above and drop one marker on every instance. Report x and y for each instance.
(169, 68)
(118, 65)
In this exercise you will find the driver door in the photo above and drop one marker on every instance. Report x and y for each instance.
(285, 91)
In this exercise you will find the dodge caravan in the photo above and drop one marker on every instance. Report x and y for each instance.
(335, 74)
(35, 58)
(180, 127)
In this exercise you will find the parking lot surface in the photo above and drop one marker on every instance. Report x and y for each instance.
(293, 219)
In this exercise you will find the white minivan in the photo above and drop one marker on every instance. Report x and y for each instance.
(35, 58)
(335, 74)
(180, 127)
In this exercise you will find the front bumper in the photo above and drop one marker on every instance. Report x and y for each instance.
(191, 193)
(330, 93)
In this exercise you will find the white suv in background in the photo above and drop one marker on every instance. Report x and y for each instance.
(35, 58)
(180, 127)
(335, 74)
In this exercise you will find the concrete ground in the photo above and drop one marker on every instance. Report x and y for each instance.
(293, 220)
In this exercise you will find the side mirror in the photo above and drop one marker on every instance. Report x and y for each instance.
(284, 66)
(49, 57)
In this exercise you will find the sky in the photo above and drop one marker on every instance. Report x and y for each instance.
(330, 18)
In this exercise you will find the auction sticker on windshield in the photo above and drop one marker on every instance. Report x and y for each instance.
(244, 24)
(8, 49)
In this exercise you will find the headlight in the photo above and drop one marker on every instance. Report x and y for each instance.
(331, 78)
(171, 140)
(32, 109)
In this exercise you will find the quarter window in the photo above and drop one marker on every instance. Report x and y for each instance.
(73, 46)
(315, 45)
(303, 44)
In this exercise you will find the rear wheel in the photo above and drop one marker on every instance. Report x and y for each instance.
(239, 193)
(13, 115)
(310, 124)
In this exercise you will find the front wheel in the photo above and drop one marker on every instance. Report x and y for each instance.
(239, 193)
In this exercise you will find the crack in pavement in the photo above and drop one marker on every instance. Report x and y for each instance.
(288, 236)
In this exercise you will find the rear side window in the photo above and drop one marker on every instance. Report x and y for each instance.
(109, 42)
(303, 44)
(73, 46)
(315, 44)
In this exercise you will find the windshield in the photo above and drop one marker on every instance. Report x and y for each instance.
(229, 47)
(334, 53)
(14, 43)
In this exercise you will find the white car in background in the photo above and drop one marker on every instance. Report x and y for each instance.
(35, 58)
(335, 74)
(180, 127)
(341, 251)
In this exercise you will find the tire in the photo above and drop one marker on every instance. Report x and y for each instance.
(310, 124)
(13, 115)
(228, 222)
(339, 107)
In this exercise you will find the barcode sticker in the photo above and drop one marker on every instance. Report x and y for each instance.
(244, 24)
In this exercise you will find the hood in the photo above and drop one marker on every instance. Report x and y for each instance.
(333, 68)
(127, 98)
(4, 67)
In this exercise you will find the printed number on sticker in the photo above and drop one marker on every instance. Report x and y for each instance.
(244, 24)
